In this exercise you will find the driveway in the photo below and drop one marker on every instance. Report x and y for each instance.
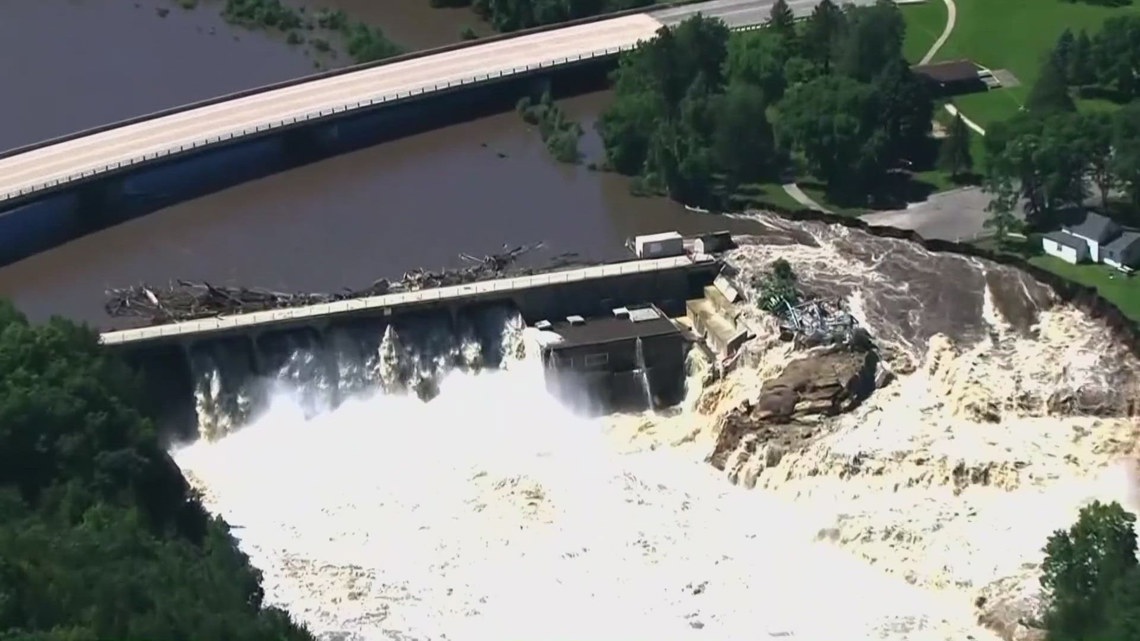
(956, 215)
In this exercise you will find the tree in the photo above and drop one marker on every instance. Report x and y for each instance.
(743, 144)
(1063, 51)
(1050, 94)
(1002, 221)
(100, 536)
(1081, 71)
(760, 58)
(1084, 568)
(778, 287)
(871, 38)
(1046, 158)
(1094, 136)
(821, 34)
(1125, 159)
(1116, 54)
(830, 120)
(954, 156)
(782, 21)
(904, 110)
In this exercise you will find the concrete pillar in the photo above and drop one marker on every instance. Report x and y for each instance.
(256, 357)
(101, 203)
(326, 352)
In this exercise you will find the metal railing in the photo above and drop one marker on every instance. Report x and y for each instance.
(311, 116)
(438, 294)
(316, 116)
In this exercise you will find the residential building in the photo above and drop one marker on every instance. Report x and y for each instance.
(1096, 239)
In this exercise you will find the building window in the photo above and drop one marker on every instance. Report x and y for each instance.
(596, 360)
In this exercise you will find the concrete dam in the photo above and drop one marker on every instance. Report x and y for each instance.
(614, 336)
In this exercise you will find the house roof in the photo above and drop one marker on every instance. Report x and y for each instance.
(1094, 227)
(1068, 240)
(1124, 242)
(953, 71)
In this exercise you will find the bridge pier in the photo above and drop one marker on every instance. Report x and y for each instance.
(256, 356)
(101, 204)
(311, 142)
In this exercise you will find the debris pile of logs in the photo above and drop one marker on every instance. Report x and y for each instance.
(184, 300)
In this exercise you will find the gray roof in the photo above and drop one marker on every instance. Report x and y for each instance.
(1068, 240)
(1094, 227)
(1124, 242)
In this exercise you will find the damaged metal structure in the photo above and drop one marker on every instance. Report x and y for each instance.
(819, 322)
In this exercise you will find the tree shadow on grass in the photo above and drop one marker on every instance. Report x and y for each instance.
(895, 191)
(758, 196)
(1103, 93)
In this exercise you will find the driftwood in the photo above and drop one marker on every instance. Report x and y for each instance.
(184, 300)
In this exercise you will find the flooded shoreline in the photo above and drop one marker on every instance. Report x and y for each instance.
(345, 221)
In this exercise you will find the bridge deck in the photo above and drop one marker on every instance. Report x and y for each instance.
(47, 167)
(473, 290)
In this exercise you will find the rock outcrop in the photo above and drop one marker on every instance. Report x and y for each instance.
(785, 414)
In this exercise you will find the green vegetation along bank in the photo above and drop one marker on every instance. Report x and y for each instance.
(1074, 145)
(512, 15)
(1017, 36)
(325, 33)
(702, 115)
(100, 536)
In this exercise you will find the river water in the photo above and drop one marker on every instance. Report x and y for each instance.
(347, 221)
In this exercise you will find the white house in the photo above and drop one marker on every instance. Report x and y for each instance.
(1096, 239)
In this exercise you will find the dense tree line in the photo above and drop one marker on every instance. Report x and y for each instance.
(698, 111)
(100, 536)
(1101, 64)
(1051, 156)
(1091, 578)
(512, 15)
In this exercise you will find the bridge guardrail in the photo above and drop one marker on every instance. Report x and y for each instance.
(325, 113)
(330, 73)
(315, 115)
(209, 325)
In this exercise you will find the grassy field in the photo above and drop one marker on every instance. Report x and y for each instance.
(1013, 35)
(763, 196)
(1121, 290)
(924, 23)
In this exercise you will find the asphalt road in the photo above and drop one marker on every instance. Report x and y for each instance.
(956, 215)
(738, 13)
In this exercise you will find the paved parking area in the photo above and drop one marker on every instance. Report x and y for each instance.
(956, 215)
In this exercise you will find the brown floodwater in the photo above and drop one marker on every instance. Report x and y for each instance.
(342, 222)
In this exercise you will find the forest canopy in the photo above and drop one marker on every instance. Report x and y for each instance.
(100, 535)
(700, 111)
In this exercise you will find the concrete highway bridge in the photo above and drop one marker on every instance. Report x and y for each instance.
(31, 172)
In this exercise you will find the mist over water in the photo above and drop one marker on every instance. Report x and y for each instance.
(493, 511)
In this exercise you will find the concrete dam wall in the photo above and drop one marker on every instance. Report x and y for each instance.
(618, 341)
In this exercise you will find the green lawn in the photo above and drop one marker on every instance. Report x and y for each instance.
(768, 194)
(924, 23)
(1121, 290)
(1014, 35)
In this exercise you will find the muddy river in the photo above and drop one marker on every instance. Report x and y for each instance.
(418, 201)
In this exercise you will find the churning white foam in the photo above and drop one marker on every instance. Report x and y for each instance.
(494, 513)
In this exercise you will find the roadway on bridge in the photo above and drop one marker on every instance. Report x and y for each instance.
(45, 168)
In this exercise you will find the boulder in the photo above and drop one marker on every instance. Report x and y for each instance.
(782, 416)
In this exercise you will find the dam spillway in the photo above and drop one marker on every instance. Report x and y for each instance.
(611, 335)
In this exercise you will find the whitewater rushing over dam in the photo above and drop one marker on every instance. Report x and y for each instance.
(437, 490)
(492, 512)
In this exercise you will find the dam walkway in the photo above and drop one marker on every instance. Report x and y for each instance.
(547, 291)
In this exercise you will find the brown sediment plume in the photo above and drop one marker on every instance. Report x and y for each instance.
(1009, 409)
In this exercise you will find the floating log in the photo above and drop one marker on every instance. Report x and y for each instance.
(185, 300)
